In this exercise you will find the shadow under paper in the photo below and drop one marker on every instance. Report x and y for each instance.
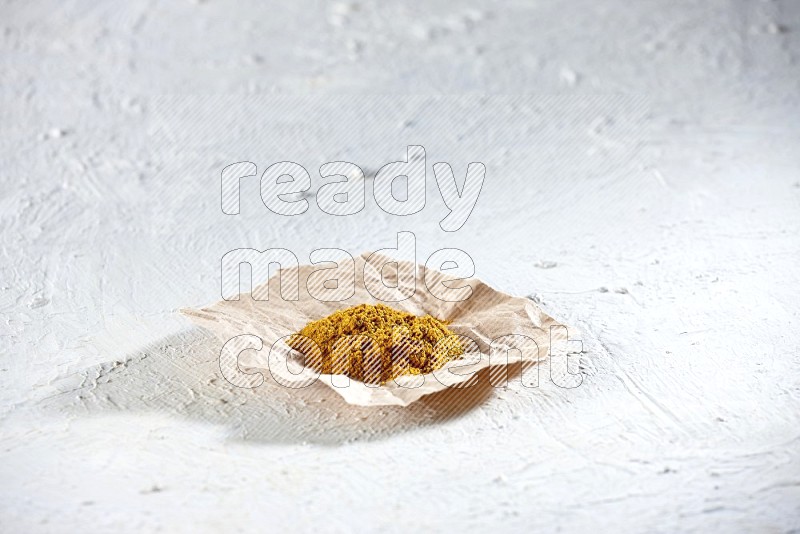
(180, 375)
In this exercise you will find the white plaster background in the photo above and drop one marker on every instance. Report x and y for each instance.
(114, 416)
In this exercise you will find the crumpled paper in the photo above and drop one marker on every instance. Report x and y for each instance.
(487, 318)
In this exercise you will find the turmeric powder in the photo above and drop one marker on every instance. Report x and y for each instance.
(375, 343)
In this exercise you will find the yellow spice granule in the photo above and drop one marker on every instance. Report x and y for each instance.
(375, 343)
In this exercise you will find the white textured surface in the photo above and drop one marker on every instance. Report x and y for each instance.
(114, 415)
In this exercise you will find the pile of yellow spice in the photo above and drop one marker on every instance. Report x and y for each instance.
(375, 343)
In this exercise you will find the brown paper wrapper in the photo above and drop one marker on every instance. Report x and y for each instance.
(500, 330)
